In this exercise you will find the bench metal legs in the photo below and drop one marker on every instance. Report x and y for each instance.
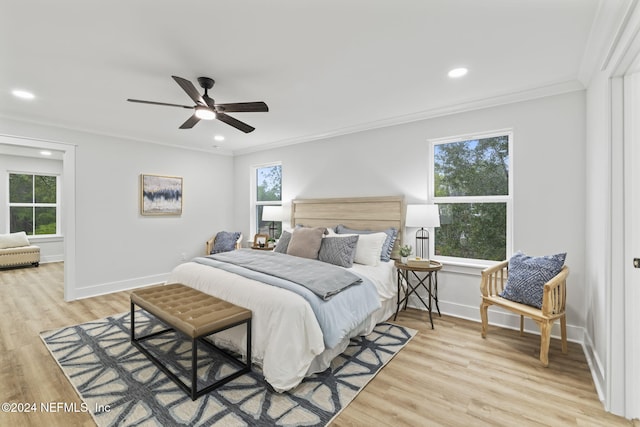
(193, 391)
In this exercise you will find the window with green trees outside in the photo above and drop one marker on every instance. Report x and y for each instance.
(471, 181)
(268, 193)
(33, 204)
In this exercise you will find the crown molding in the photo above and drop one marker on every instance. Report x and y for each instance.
(526, 94)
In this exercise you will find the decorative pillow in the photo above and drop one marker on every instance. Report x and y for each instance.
(305, 242)
(338, 250)
(368, 248)
(283, 242)
(387, 248)
(225, 241)
(14, 240)
(527, 276)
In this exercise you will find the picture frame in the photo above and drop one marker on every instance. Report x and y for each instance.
(160, 195)
(260, 240)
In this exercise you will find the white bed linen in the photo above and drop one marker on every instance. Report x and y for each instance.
(286, 338)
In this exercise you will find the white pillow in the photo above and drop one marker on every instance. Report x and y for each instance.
(369, 248)
(13, 240)
(331, 232)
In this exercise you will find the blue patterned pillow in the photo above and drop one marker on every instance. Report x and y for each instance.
(527, 276)
(387, 247)
(338, 250)
(225, 241)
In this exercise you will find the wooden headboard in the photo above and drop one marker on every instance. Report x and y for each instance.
(361, 213)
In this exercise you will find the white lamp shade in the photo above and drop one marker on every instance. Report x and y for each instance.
(426, 216)
(272, 213)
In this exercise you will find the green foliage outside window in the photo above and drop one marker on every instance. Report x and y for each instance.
(32, 204)
(469, 178)
(472, 230)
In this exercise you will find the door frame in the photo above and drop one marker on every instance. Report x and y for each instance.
(622, 370)
(68, 202)
(631, 93)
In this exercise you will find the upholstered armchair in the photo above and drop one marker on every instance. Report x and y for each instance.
(223, 243)
(493, 282)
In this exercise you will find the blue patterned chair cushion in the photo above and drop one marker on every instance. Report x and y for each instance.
(339, 250)
(527, 276)
(387, 247)
(225, 241)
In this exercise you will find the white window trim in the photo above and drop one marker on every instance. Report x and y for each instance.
(254, 195)
(508, 199)
(47, 205)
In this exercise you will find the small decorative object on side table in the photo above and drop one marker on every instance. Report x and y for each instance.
(430, 276)
(260, 242)
(405, 251)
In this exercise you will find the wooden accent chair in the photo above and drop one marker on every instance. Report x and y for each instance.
(209, 243)
(493, 282)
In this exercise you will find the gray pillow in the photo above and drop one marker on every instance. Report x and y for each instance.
(527, 276)
(283, 242)
(387, 247)
(305, 242)
(225, 241)
(338, 250)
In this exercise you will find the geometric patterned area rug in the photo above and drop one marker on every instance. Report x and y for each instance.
(119, 386)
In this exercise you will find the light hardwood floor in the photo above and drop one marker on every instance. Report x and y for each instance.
(448, 376)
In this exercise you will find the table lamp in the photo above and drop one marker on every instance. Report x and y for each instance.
(273, 214)
(423, 216)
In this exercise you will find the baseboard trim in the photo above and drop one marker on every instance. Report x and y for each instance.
(124, 285)
(504, 319)
(595, 366)
(51, 258)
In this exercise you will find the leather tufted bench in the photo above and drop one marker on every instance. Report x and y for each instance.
(196, 315)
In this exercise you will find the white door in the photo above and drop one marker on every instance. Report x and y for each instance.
(632, 241)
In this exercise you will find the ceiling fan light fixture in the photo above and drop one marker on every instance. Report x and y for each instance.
(204, 113)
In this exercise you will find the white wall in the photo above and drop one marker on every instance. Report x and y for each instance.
(549, 187)
(117, 248)
(51, 248)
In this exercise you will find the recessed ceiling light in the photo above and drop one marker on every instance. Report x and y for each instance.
(23, 94)
(219, 138)
(457, 72)
(45, 153)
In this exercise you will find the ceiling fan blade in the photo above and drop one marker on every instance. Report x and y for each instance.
(191, 122)
(158, 103)
(191, 90)
(234, 122)
(243, 107)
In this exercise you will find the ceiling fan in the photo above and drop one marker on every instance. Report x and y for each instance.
(207, 109)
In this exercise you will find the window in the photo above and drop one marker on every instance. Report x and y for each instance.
(268, 192)
(471, 182)
(33, 204)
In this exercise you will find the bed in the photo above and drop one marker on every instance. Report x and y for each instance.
(289, 339)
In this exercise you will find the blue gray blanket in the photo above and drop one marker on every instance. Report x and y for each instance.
(324, 280)
(337, 316)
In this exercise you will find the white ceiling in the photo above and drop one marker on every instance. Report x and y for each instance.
(323, 67)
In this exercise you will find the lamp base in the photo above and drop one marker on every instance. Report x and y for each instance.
(422, 243)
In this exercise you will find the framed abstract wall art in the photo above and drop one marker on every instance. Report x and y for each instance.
(160, 195)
